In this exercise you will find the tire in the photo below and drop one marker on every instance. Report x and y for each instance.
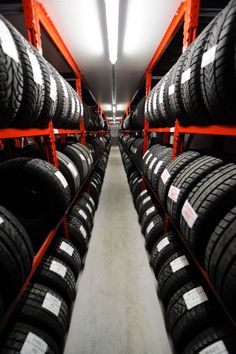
(29, 337)
(33, 92)
(11, 78)
(69, 171)
(160, 166)
(167, 245)
(148, 154)
(94, 192)
(219, 338)
(174, 273)
(146, 204)
(55, 274)
(62, 107)
(137, 189)
(220, 260)
(171, 170)
(85, 205)
(78, 235)
(142, 196)
(210, 199)
(218, 82)
(42, 187)
(81, 213)
(185, 181)
(66, 252)
(31, 310)
(153, 231)
(166, 110)
(89, 199)
(184, 323)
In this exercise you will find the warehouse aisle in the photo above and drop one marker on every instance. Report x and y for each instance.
(116, 310)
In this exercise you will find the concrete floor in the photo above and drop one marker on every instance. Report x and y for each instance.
(116, 310)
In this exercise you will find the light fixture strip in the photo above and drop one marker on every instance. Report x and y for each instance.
(112, 18)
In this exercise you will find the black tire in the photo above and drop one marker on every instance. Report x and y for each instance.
(164, 160)
(55, 274)
(69, 171)
(11, 79)
(185, 322)
(41, 186)
(29, 337)
(210, 199)
(33, 92)
(62, 107)
(82, 214)
(167, 245)
(142, 195)
(68, 253)
(153, 150)
(78, 235)
(174, 273)
(153, 231)
(33, 309)
(84, 204)
(184, 182)
(146, 204)
(94, 192)
(89, 199)
(137, 189)
(219, 338)
(218, 82)
(74, 155)
(173, 168)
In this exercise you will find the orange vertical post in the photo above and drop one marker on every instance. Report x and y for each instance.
(82, 126)
(32, 23)
(191, 18)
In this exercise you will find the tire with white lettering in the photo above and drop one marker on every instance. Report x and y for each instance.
(83, 203)
(148, 215)
(153, 231)
(189, 312)
(137, 189)
(173, 168)
(219, 338)
(55, 274)
(86, 196)
(142, 195)
(208, 202)
(69, 171)
(66, 252)
(220, 260)
(166, 245)
(11, 78)
(146, 204)
(159, 167)
(41, 186)
(83, 215)
(33, 85)
(153, 150)
(218, 82)
(78, 235)
(184, 182)
(168, 90)
(24, 338)
(62, 108)
(94, 192)
(43, 308)
(174, 273)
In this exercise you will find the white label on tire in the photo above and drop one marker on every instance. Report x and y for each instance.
(171, 90)
(171, 139)
(1, 220)
(61, 179)
(83, 214)
(143, 192)
(209, 56)
(53, 89)
(155, 100)
(56, 131)
(165, 176)
(72, 169)
(158, 167)
(140, 180)
(33, 344)
(35, 68)
(66, 248)
(215, 348)
(72, 105)
(82, 156)
(161, 93)
(146, 162)
(162, 244)
(150, 227)
(64, 87)
(92, 201)
(145, 107)
(83, 232)
(186, 76)
(179, 263)
(58, 268)
(146, 200)
(7, 42)
(152, 163)
(52, 304)
(149, 105)
(89, 208)
(134, 150)
(150, 210)
(145, 153)
(135, 180)
(189, 214)
(173, 193)
(94, 184)
(195, 297)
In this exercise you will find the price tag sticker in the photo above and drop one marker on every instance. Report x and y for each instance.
(58, 268)
(1, 220)
(186, 76)
(83, 214)
(66, 248)
(150, 227)
(165, 176)
(158, 167)
(83, 232)
(33, 344)
(146, 200)
(150, 210)
(61, 179)
(89, 208)
(72, 169)
(179, 263)
(215, 348)
(53, 89)
(144, 192)
(209, 56)
(189, 214)
(195, 297)
(52, 304)
(149, 157)
(173, 193)
(7, 42)
(152, 163)
(161, 93)
(162, 244)
(171, 90)
(35, 68)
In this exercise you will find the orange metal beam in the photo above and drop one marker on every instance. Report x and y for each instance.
(32, 23)
(48, 25)
(190, 22)
(170, 32)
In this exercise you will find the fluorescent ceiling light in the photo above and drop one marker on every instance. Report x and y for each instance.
(121, 106)
(106, 107)
(114, 109)
(112, 17)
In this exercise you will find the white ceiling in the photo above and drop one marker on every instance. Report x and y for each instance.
(82, 25)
